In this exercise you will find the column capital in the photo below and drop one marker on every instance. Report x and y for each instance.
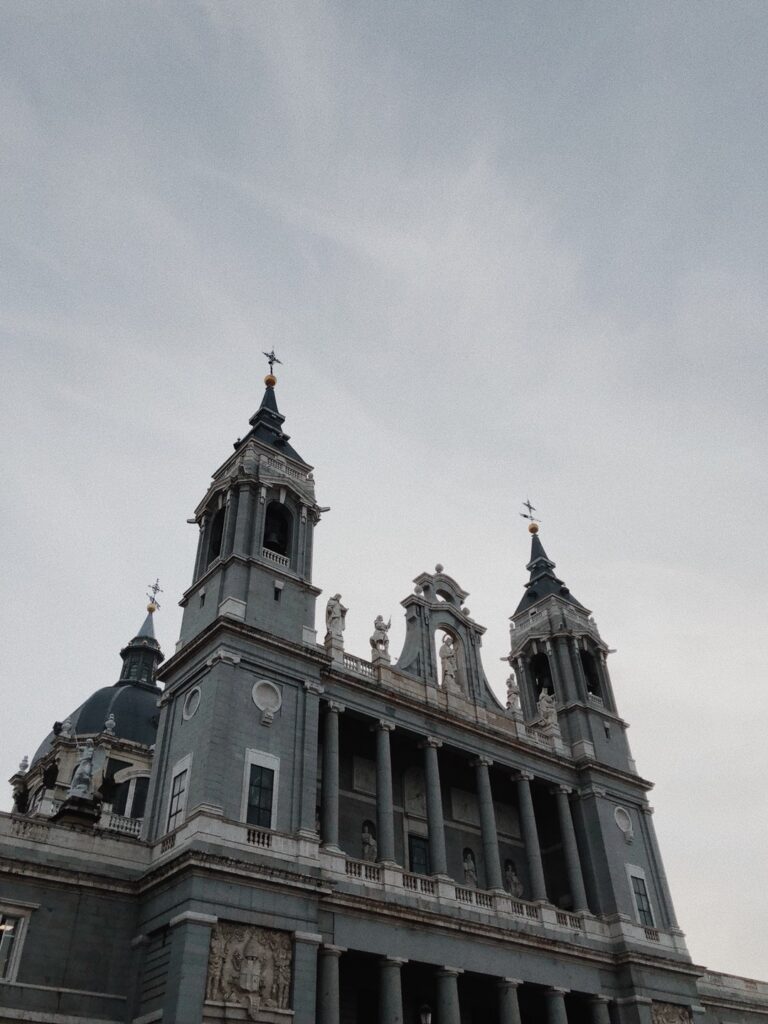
(521, 775)
(336, 707)
(449, 972)
(510, 982)
(312, 686)
(191, 917)
(383, 725)
(332, 950)
(311, 938)
(646, 809)
(398, 961)
(556, 990)
(482, 760)
(599, 998)
(561, 787)
(430, 741)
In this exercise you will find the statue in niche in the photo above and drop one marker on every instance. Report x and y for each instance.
(250, 968)
(546, 708)
(110, 725)
(513, 693)
(335, 617)
(82, 779)
(670, 1013)
(448, 661)
(470, 869)
(369, 844)
(512, 882)
(380, 635)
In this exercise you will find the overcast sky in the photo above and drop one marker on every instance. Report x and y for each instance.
(503, 250)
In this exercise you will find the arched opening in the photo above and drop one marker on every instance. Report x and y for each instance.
(215, 536)
(591, 674)
(541, 673)
(278, 524)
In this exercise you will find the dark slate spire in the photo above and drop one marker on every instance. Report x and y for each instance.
(267, 423)
(142, 655)
(543, 582)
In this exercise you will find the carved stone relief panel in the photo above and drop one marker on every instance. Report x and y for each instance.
(507, 820)
(414, 792)
(670, 1013)
(464, 807)
(249, 968)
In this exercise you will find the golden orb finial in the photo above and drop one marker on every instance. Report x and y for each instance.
(270, 380)
(151, 607)
(533, 528)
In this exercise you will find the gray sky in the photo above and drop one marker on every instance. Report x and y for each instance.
(504, 249)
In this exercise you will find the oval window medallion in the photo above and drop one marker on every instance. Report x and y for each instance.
(267, 698)
(624, 822)
(191, 703)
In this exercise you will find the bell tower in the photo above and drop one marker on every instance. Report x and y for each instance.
(254, 554)
(558, 654)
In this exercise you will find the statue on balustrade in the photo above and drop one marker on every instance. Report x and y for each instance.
(512, 882)
(470, 869)
(513, 693)
(547, 708)
(380, 636)
(369, 844)
(335, 617)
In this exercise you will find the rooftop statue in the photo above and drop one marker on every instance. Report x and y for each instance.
(380, 635)
(335, 616)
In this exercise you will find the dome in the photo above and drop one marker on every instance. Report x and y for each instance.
(134, 707)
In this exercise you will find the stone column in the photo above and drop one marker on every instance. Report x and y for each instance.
(242, 544)
(385, 815)
(570, 849)
(328, 1002)
(509, 1008)
(448, 996)
(531, 836)
(438, 864)
(188, 966)
(578, 669)
(304, 982)
(308, 802)
(390, 990)
(558, 683)
(599, 1009)
(526, 688)
(488, 823)
(230, 520)
(330, 793)
(555, 998)
(202, 546)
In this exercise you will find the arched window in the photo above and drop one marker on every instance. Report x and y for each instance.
(541, 674)
(590, 673)
(278, 524)
(215, 536)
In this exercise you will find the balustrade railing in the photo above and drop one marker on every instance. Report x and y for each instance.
(127, 826)
(363, 869)
(354, 664)
(272, 556)
(569, 920)
(259, 837)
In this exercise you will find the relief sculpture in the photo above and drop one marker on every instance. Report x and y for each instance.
(249, 967)
(670, 1013)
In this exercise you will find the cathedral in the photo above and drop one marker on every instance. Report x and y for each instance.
(266, 827)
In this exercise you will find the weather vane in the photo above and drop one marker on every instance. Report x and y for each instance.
(529, 514)
(272, 359)
(156, 589)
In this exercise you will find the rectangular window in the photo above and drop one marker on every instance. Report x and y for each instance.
(418, 855)
(643, 904)
(261, 787)
(9, 934)
(178, 799)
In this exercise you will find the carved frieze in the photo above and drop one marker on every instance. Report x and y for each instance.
(250, 968)
(670, 1013)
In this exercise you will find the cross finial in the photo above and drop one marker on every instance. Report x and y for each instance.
(530, 510)
(156, 589)
(272, 359)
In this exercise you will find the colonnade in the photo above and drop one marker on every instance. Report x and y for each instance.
(430, 747)
(447, 1008)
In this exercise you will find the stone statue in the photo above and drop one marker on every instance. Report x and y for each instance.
(249, 968)
(110, 724)
(335, 616)
(370, 846)
(448, 661)
(513, 693)
(546, 707)
(512, 883)
(66, 729)
(470, 870)
(380, 635)
(24, 764)
(82, 779)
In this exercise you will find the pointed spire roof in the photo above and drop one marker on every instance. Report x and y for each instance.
(142, 654)
(543, 582)
(267, 423)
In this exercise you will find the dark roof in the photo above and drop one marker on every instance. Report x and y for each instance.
(133, 705)
(267, 426)
(543, 582)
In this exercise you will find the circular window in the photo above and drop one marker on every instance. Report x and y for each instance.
(191, 703)
(266, 696)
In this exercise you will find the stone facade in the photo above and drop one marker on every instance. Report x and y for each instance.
(331, 839)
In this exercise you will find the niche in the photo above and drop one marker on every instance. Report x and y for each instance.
(541, 674)
(591, 673)
(215, 536)
(278, 524)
